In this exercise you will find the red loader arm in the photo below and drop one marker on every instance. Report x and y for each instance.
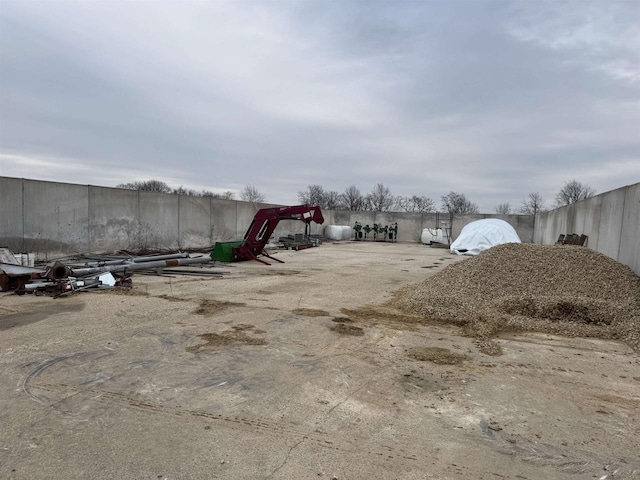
(265, 222)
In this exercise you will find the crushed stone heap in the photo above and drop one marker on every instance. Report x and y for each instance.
(559, 289)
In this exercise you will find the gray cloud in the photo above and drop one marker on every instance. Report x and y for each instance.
(494, 99)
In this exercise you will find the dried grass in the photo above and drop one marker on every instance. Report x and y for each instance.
(565, 290)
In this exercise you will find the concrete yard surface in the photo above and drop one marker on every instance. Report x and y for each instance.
(261, 375)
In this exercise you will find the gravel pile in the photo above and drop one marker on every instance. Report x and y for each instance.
(559, 289)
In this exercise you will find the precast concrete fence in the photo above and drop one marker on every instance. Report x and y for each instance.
(50, 218)
(611, 221)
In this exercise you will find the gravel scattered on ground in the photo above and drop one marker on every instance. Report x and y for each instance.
(558, 289)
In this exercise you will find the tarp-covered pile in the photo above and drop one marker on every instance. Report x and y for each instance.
(482, 235)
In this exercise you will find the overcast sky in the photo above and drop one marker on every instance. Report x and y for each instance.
(491, 99)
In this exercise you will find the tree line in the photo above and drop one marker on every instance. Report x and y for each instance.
(248, 194)
(380, 198)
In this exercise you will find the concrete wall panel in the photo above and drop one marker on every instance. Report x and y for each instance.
(56, 217)
(629, 252)
(365, 218)
(524, 227)
(611, 223)
(592, 208)
(158, 220)
(113, 219)
(245, 213)
(409, 226)
(342, 217)
(194, 221)
(223, 220)
(11, 214)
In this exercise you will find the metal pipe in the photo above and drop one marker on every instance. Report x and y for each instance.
(146, 258)
(130, 267)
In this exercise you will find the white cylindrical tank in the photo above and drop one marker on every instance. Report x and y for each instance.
(430, 235)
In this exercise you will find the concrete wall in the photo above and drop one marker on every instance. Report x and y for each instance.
(610, 220)
(410, 225)
(57, 218)
(52, 218)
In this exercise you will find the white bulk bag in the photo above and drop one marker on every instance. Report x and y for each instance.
(347, 232)
(333, 232)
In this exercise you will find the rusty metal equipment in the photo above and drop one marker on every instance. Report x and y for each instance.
(264, 223)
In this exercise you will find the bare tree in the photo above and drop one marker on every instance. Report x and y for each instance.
(380, 199)
(314, 195)
(331, 200)
(572, 192)
(415, 203)
(532, 205)
(147, 185)
(458, 203)
(185, 191)
(352, 199)
(503, 208)
(251, 194)
(228, 195)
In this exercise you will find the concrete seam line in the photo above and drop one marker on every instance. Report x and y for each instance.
(624, 204)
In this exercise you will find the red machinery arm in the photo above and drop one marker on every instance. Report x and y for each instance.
(265, 222)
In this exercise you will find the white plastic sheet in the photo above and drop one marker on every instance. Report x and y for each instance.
(482, 235)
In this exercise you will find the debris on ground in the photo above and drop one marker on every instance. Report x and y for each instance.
(70, 275)
(564, 290)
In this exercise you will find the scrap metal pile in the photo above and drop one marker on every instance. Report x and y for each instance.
(63, 277)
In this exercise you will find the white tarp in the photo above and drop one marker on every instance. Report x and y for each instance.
(482, 235)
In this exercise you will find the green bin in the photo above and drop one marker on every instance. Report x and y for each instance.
(222, 251)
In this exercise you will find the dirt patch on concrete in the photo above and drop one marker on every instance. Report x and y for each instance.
(345, 329)
(439, 355)
(311, 312)
(211, 307)
(387, 314)
(342, 320)
(171, 298)
(235, 335)
(126, 291)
